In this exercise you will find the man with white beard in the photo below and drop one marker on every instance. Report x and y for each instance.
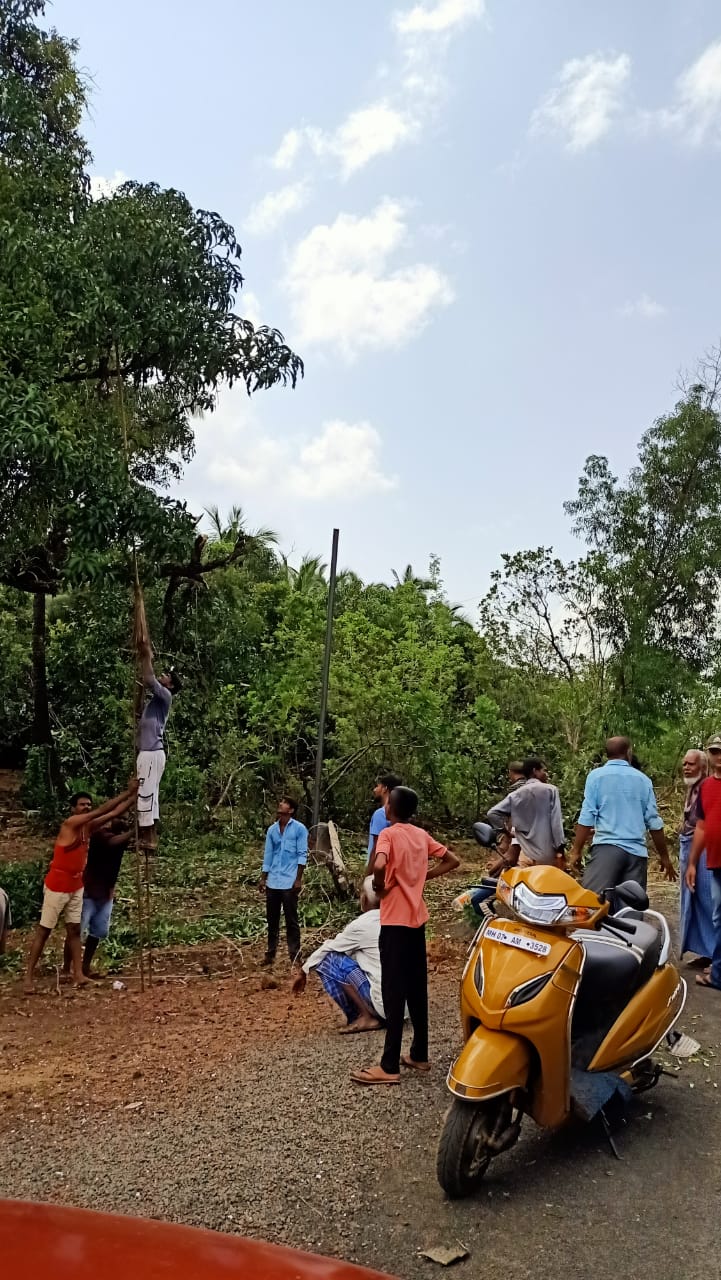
(696, 928)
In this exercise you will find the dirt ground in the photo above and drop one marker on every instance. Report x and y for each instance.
(216, 1102)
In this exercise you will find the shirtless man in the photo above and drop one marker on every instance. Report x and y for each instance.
(63, 890)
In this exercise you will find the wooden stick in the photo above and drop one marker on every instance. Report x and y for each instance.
(136, 701)
(148, 920)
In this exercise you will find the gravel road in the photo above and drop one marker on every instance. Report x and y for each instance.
(276, 1143)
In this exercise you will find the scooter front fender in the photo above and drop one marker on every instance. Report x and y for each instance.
(490, 1063)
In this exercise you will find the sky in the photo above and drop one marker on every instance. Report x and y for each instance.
(487, 226)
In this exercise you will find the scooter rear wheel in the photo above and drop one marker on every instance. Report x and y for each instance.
(464, 1152)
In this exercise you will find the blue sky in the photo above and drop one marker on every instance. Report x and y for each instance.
(488, 228)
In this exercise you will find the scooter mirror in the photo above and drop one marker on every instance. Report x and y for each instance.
(485, 834)
(629, 894)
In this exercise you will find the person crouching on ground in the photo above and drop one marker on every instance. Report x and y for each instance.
(63, 891)
(400, 872)
(349, 966)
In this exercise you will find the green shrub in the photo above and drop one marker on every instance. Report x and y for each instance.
(38, 792)
(23, 883)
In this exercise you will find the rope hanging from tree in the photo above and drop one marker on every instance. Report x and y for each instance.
(140, 638)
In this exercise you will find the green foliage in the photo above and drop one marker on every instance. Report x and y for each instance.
(38, 793)
(16, 700)
(130, 303)
(119, 321)
(623, 640)
(23, 882)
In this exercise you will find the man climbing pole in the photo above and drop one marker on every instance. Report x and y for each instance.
(150, 745)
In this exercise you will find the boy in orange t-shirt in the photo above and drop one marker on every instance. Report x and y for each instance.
(400, 872)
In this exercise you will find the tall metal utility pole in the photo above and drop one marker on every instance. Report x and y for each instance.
(326, 678)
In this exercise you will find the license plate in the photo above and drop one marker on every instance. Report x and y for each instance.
(518, 940)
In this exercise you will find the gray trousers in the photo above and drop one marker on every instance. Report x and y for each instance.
(609, 865)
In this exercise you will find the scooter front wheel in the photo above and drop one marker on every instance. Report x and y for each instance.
(468, 1142)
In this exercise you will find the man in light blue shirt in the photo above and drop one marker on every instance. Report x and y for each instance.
(286, 853)
(619, 807)
(384, 785)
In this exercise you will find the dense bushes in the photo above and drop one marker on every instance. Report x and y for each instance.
(23, 882)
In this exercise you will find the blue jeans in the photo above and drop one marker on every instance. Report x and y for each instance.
(481, 895)
(95, 922)
(716, 957)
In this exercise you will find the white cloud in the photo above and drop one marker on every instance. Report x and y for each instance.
(101, 188)
(436, 18)
(250, 307)
(366, 133)
(399, 116)
(696, 114)
(343, 459)
(369, 132)
(344, 292)
(258, 463)
(268, 213)
(291, 144)
(585, 101)
(645, 307)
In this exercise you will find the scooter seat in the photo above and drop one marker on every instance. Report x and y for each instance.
(614, 968)
(645, 939)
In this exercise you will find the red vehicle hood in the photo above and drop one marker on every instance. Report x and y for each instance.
(75, 1244)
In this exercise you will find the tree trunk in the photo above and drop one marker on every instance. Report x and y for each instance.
(41, 732)
(325, 849)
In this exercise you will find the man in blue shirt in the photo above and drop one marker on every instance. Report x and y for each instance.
(286, 853)
(619, 807)
(384, 785)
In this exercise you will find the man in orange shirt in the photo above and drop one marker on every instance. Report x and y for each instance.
(400, 871)
(63, 890)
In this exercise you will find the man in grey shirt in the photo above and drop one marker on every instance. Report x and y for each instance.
(150, 745)
(535, 814)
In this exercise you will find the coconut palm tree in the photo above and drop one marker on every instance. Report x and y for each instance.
(231, 528)
(409, 578)
(309, 578)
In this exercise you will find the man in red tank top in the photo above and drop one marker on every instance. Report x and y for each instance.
(63, 889)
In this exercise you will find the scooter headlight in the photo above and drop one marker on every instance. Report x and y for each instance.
(538, 908)
(546, 908)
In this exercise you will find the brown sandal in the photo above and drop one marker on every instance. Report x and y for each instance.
(422, 1067)
(373, 1075)
(704, 980)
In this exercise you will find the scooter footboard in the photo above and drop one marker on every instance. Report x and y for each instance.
(490, 1062)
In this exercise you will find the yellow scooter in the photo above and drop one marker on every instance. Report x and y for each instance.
(560, 1001)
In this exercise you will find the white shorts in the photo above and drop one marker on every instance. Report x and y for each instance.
(149, 769)
(55, 905)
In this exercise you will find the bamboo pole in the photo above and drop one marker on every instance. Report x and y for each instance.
(325, 682)
(136, 708)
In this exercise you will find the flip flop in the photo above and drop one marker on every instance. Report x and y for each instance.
(703, 980)
(353, 1030)
(422, 1067)
(373, 1075)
